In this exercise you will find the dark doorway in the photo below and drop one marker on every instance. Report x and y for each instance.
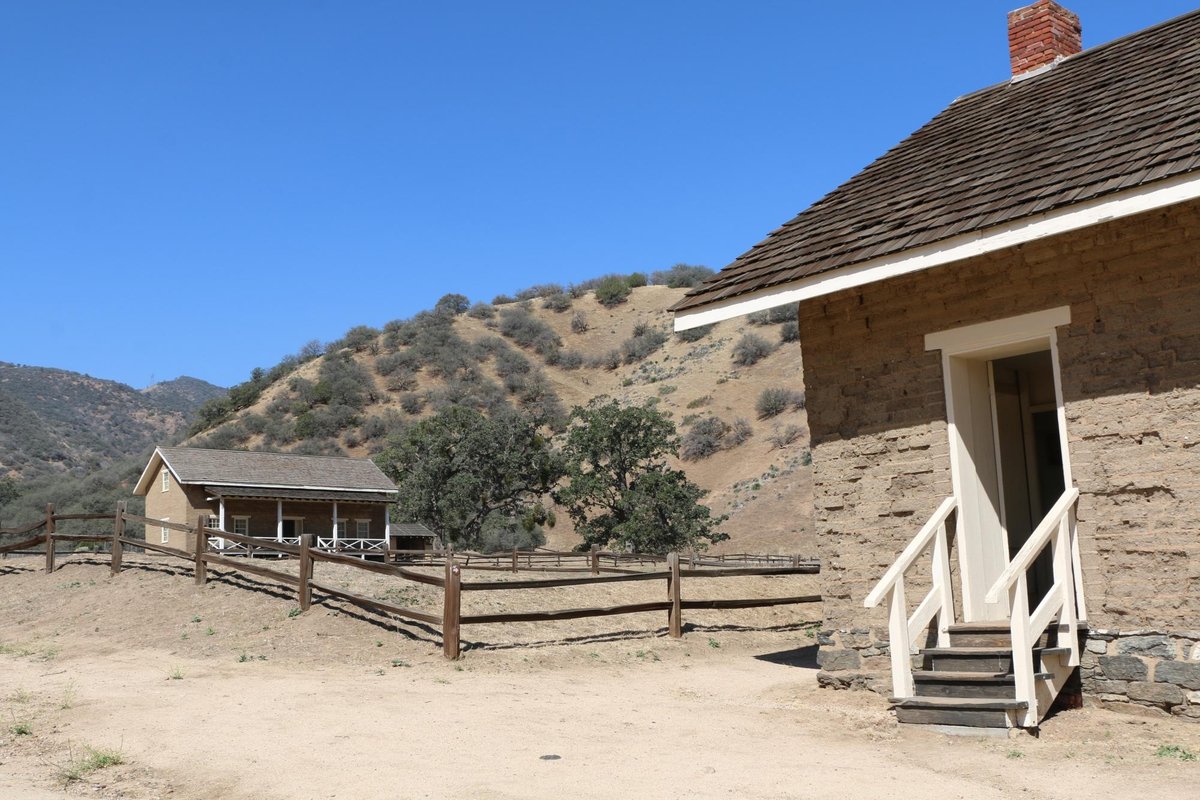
(1029, 453)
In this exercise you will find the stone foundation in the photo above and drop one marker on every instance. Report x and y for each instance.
(1143, 671)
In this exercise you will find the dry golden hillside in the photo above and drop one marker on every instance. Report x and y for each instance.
(762, 485)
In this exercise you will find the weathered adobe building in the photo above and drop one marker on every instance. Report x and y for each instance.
(272, 496)
(1003, 310)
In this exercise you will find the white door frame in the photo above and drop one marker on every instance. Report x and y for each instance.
(966, 351)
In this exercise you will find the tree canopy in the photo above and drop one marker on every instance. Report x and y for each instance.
(620, 488)
(458, 468)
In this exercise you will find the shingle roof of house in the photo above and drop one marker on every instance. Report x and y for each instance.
(1117, 116)
(193, 465)
(412, 529)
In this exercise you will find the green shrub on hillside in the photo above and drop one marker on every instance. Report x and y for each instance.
(702, 439)
(751, 349)
(645, 341)
(451, 304)
(557, 302)
(681, 276)
(776, 400)
(482, 310)
(612, 291)
(528, 331)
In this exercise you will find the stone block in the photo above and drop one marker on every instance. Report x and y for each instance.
(1104, 688)
(1097, 646)
(1123, 668)
(1158, 694)
(1180, 673)
(834, 660)
(1156, 646)
(843, 680)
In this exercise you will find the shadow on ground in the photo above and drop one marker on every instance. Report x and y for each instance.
(803, 657)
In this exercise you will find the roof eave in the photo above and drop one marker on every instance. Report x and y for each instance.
(1146, 197)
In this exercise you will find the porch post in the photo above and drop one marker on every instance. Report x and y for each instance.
(335, 521)
(387, 528)
(221, 513)
(279, 520)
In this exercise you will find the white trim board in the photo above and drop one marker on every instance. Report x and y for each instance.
(1020, 329)
(1159, 194)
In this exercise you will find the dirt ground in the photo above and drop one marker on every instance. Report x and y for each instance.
(226, 691)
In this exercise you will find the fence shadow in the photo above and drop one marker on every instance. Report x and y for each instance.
(803, 657)
(632, 635)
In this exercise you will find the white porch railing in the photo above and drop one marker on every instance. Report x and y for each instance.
(902, 628)
(358, 545)
(1064, 599)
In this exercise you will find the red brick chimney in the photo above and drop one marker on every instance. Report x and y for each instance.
(1040, 35)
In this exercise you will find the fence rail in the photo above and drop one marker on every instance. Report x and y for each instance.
(402, 565)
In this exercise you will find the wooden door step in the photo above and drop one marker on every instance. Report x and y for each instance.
(959, 711)
(976, 703)
(990, 685)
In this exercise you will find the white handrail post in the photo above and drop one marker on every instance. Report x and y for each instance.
(1022, 649)
(1062, 576)
(1076, 566)
(898, 643)
(942, 584)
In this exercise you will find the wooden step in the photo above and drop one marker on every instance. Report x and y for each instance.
(980, 659)
(981, 685)
(965, 712)
(994, 633)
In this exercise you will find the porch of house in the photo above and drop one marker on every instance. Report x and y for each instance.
(339, 521)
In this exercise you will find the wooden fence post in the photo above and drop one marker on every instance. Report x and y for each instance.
(595, 561)
(514, 557)
(676, 624)
(450, 611)
(118, 532)
(306, 571)
(49, 538)
(201, 548)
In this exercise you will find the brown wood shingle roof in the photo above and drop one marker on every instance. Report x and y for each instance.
(194, 465)
(1118, 116)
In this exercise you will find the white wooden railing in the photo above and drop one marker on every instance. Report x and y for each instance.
(358, 545)
(1064, 599)
(903, 629)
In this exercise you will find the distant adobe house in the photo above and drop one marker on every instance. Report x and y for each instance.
(1000, 321)
(344, 502)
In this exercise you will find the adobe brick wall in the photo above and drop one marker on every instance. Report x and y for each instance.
(1130, 368)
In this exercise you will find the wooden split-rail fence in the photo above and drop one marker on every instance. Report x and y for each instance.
(603, 568)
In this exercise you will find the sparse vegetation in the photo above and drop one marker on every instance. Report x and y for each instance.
(1175, 751)
(612, 290)
(775, 400)
(782, 437)
(681, 276)
(92, 760)
(645, 341)
(751, 349)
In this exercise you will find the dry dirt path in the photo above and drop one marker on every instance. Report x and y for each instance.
(728, 727)
(224, 692)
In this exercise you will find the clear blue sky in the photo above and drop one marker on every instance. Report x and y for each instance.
(200, 188)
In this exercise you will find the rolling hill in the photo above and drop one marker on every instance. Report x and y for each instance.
(546, 353)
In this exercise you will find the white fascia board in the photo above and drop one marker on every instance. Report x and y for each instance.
(281, 486)
(1028, 229)
(142, 486)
